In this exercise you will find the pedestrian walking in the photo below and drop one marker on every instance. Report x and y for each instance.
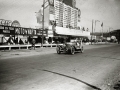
(33, 43)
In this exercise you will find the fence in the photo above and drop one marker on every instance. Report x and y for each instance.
(9, 47)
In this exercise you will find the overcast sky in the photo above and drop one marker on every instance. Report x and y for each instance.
(106, 11)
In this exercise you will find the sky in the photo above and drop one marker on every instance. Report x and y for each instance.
(106, 11)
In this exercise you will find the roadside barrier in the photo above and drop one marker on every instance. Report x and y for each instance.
(9, 47)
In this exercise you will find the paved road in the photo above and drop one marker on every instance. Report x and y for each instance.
(5, 54)
(96, 68)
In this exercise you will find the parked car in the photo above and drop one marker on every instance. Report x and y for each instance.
(70, 47)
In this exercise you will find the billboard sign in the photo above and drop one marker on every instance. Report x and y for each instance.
(6, 30)
(51, 10)
(5, 22)
(21, 31)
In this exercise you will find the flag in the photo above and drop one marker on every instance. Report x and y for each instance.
(102, 24)
(39, 16)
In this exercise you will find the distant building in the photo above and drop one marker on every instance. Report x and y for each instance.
(116, 33)
(62, 18)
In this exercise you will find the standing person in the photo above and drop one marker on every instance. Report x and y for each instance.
(10, 40)
(33, 43)
(20, 41)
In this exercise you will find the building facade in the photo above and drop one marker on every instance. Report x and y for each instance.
(64, 19)
(61, 20)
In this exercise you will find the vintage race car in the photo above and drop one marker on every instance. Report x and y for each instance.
(70, 47)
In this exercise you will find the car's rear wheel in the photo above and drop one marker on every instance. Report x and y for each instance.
(82, 49)
(72, 50)
(58, 50)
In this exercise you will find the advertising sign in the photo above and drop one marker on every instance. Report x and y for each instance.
(52, 17)
(41, 32)
(17, 31)
(51, 10)
(5, 22)
(51, 2)
(1, 29)
(25, 31)
(7, 30)
(21, 31)
(15, 23)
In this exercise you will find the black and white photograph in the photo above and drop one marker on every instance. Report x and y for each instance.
(59, 44)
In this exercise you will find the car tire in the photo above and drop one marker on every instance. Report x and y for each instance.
(58, 50)
(82, 49)
(72, 50)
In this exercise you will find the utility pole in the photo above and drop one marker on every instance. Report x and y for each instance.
(109, 31)
(92, 31)
(95, 24)
(43, 22)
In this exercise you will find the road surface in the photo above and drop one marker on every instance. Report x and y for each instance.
(95, 69)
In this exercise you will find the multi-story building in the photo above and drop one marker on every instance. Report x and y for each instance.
(65, 16)
(64, 19)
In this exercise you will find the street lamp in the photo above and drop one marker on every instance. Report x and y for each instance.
(92, 31)
(95, 24)
(94, 28)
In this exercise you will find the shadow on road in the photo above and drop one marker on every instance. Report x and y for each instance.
(92, 86)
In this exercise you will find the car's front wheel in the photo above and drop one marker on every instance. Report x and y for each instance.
(72, 50)
(58, 50)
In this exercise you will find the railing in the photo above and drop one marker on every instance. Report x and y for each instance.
(27, 46)
(9, 47)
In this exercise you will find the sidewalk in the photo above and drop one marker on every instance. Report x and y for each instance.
(26, 52)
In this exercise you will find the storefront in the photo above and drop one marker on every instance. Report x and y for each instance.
(20, 33)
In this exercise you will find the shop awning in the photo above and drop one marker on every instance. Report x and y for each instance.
(72, 32)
